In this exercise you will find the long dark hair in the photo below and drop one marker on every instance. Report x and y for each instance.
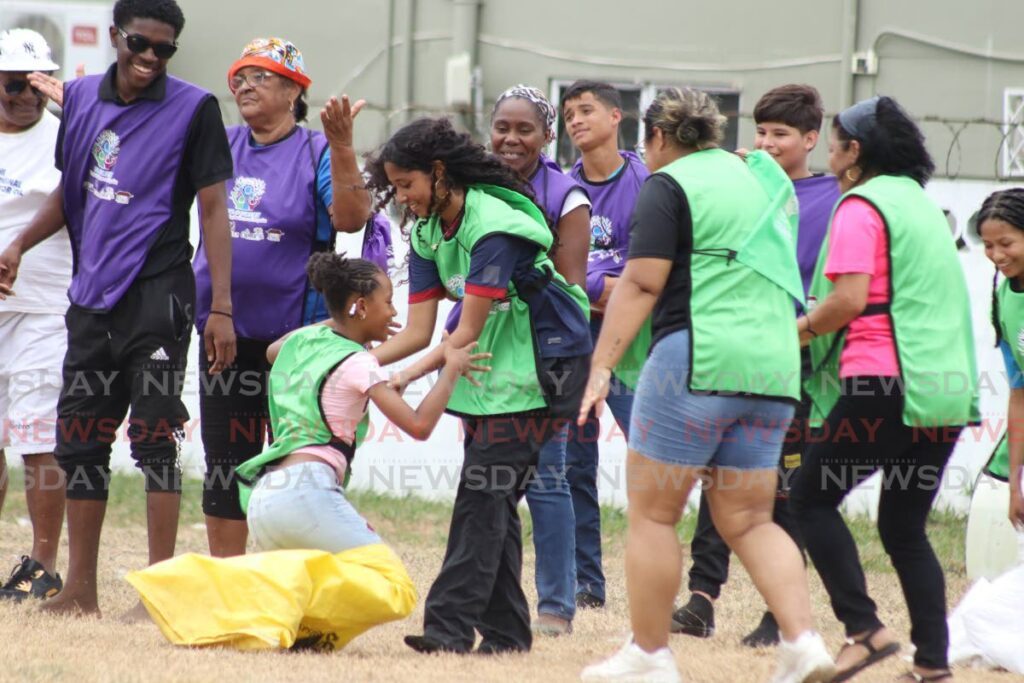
(420, 144)
(893, 145)
(1006, 206)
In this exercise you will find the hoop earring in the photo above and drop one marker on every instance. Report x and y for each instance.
(441, 201)
(850, 177)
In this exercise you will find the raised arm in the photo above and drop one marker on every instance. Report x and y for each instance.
(351, 202)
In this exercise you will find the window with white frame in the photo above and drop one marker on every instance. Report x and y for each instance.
(1013, 133)
(636, 97)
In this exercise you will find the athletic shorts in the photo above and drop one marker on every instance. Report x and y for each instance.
(31, 353)
(676, 427)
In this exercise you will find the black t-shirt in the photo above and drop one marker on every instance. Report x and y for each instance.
(662, 228)
(206, 161)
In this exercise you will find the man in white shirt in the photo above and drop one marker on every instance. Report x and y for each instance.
(32, 321)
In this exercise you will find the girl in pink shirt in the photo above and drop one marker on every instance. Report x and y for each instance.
(299, 503)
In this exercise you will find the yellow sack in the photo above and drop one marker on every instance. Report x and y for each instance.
(306, 598)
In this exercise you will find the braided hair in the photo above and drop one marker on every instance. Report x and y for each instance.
(1006, 206)
(338, 278)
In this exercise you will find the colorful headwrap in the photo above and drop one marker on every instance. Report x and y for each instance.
(273, 54)
(525, 92)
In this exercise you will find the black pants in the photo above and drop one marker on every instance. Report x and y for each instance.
(710, 553)
(865, 433)
(234, 420)
(133, 357)
(479, 586)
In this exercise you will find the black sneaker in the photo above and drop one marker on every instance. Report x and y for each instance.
(30, 580)
(428, 646)
(696, 618)
(588, 601)
(765, 635)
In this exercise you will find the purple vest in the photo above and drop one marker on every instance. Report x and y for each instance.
(817, 196)
(272, 214)
(611, 209)
(551, 187)
(120, 166)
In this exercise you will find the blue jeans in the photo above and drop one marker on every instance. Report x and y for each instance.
(554, 531)
(581, 460)
(303, 507)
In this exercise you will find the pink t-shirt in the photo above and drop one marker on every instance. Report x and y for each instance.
(344, 401)
(858, 244)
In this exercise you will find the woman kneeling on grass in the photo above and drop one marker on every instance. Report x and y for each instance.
(320, 383)
(712, 254)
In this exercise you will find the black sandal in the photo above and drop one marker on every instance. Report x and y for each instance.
(875, 655)
(918, 678)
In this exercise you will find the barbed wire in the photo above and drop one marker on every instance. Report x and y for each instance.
(944, 135)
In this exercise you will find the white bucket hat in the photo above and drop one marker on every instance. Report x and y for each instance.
(22, 49)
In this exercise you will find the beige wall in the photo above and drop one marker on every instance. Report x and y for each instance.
(535, 41)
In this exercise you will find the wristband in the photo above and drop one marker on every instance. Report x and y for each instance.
(226, 315)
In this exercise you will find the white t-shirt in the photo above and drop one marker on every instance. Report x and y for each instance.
(27, 177)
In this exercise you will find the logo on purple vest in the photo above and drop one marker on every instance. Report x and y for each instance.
(247, 193)
(601, 232)
(106, 150)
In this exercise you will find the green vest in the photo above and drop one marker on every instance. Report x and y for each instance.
(743, 273)
(1011, 327)
(929, 312)
(306, 360)
(512, 385)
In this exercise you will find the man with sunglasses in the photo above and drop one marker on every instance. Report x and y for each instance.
(136, 147)
(31, 323)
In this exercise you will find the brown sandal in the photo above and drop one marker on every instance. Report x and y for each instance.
(875, 655)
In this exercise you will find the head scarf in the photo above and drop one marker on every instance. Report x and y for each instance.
(547, 112)
(276, 55)
(861, 118)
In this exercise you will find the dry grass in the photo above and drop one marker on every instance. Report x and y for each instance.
(45, 649)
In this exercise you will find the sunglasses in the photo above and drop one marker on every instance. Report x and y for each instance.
(15, 88)
(139, 44)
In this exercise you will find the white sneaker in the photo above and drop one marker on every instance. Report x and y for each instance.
(632, 665)
(805, 660)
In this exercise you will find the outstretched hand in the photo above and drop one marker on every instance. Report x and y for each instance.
(338, 119)
(465, 361)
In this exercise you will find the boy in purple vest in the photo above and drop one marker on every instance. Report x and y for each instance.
(788, 119)
(612, 178)
(135, 147)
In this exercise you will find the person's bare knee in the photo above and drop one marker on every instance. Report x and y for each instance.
(740, 500)
(657, 492)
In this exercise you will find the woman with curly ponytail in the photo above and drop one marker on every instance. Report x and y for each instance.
(480, 238)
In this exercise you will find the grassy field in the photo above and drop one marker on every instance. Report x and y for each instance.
(44, 649)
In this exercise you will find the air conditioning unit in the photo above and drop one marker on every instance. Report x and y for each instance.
(76, 32)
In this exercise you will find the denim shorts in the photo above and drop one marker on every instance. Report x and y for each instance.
(302, 507)
(673, 426)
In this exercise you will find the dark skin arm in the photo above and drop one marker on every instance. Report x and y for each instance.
(351, 206)
(1015, 439)
(573, 246)
(219, 335)
(475, 310)
(846, 302)
(419, 422)
(46, 223)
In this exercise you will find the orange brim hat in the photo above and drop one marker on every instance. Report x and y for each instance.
(276, 55)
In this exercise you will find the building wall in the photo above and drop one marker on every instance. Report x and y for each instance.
(745, 45)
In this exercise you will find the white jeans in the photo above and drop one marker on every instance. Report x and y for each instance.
(302, 507)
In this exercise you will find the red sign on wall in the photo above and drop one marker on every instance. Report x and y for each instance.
(84, 35)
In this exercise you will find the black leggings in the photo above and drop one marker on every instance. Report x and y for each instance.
(865, 433)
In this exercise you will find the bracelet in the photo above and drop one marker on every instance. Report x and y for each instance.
(809, 330)
(226, 315)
